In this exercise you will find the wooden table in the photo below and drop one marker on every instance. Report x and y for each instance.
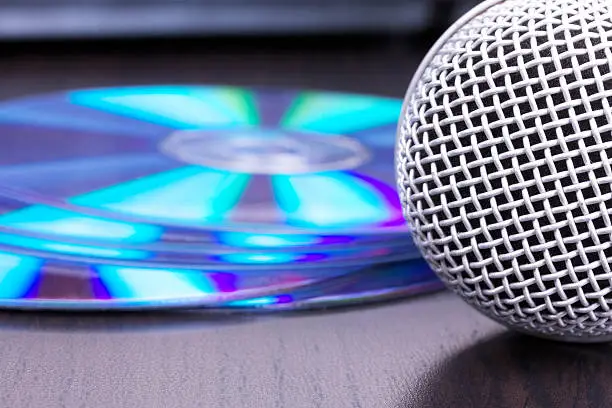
(428, 351)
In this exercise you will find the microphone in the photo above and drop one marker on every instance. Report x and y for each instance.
(503, 164)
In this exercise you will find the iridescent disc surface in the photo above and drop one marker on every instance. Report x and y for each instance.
(57, 233)
(166, 163)
(32, 282)
(45, 222)
(185, 196)
(223, 260)
(377, 283)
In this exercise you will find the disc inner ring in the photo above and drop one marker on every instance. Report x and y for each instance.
(265, 151)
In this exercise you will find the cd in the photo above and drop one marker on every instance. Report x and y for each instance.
(163, 163)
(158, 196)
(46, 229)
(374, 284)
(315, 257)
(50, 223)
(31, 282)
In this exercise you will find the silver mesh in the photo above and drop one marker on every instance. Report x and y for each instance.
(503, 164)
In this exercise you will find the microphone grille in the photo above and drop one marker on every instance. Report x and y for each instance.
(503, 164)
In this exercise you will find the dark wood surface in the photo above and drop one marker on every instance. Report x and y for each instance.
(428, 351)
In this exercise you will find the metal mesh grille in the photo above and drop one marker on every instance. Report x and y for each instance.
(503, 163)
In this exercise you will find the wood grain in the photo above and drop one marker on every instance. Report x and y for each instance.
(430, 351)
(359, 357)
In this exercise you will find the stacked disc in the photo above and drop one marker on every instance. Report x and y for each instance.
(183, 196)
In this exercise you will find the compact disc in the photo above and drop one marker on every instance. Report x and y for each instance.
(44, 222)
(158, 196)
(31, 282)
(377, 283)
(40, 229)
(221, 260)
(178, 161)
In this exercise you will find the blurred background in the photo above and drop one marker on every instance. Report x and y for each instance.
(370, 46)
(112, 18)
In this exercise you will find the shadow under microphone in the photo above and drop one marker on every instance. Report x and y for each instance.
(514, 370)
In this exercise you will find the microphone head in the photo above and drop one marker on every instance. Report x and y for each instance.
(503, 160)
